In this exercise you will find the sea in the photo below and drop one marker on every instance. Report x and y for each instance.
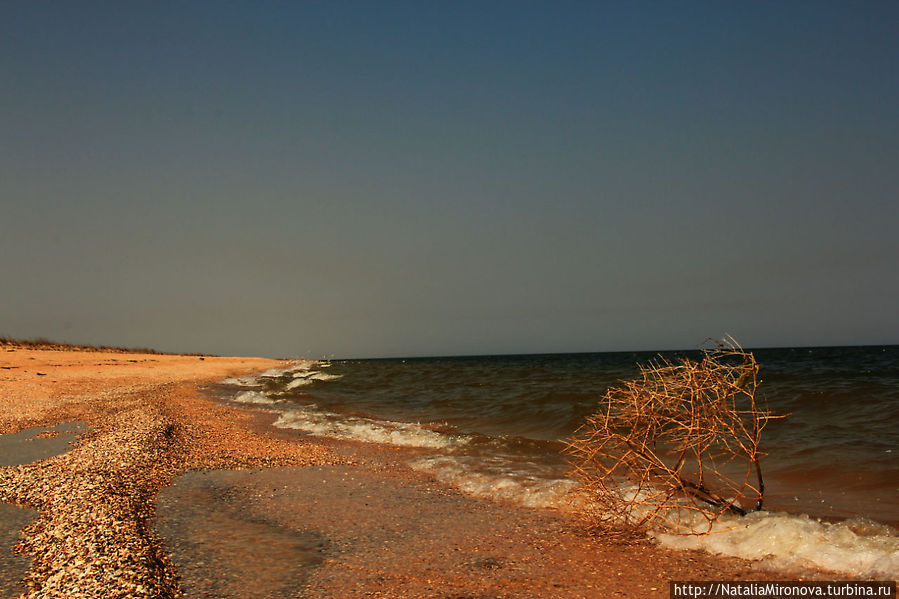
(495, 427)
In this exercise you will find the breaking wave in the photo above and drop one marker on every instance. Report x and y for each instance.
(857, 546)
(500, 483)
(254, 397)
(328, 424)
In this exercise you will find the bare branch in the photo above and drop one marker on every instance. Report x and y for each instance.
(675, 448)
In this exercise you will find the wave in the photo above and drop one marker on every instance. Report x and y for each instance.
(275, 373)
(254, 397)
(298, 382)
(301, 372)
(244, 381)
(323, 376)
(372, 430)
(302, 379)
(518, 487)
(858, 547)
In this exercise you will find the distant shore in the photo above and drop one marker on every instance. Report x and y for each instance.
(379, 527)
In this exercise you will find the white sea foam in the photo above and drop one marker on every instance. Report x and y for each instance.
(244, 381)
(518, 487)
(253, 397)
(326, 424)
(304, 378)
(324, 376)
(855, 547)
(295, 383)
(274, 373)
(303, 370)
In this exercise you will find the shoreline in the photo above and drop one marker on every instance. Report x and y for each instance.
(148, 423)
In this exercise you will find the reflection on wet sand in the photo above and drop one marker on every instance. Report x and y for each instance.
(221, 547)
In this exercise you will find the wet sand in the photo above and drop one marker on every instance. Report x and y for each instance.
(246, 510)
(13, 566)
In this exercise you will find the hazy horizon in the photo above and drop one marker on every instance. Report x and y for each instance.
(401, 179)
(665, 350)
(706, 344)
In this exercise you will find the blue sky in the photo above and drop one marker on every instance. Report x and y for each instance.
(407, 178)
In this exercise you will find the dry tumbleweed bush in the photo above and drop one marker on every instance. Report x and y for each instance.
(675, 448)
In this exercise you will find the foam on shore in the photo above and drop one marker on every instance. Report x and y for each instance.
(503, 485)
(301, 375)
(254, 397)
(858, 547)
(297, 383)
(243, 381)
(327, 424)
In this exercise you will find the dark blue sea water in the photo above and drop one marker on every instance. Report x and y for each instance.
(495, 426)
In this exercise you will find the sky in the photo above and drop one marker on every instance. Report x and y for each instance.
(372, 179)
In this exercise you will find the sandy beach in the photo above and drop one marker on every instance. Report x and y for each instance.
(164, 492)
